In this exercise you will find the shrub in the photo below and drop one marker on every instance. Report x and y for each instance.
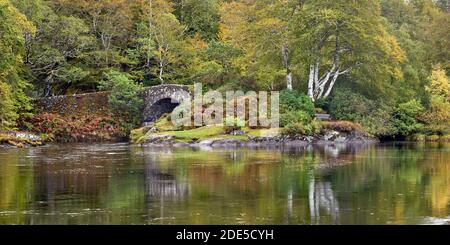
(405, 118)
(323, 103)
(8, 115)
(294, 117)
(124, 99)
(376, 117)
(417, 137)
(437, 116)
(379, 122)
(92, 127)
(294, 128)
(432, 138)
(445, 138)
(342, 126)
(316, 127)
(299, 128)
(292, 101)
(347, 105)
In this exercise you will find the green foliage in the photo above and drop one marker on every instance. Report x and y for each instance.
(294, 129)
(347, 105)
(390, 51)
(437, 115)
(405, 118)
(375, 116)
(294, 117)
(343, 126)
(200, 16)
(300, 128)
(124, 98)
(13, 100)
(296, 114)
(8, 116)
(293, 101)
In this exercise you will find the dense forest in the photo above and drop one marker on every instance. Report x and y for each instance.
(383, 64)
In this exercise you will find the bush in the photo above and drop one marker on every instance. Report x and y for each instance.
(379, 122)
(323, 104)
(376, 117)
(300, 128)
(124, 99)
(295, 128)
(86, 128)
(405, 118)
(417, 138)
(316, 127)
(347, 105)
(445, 138)
(432, 138)
(293, 101)
(437, 117)
(294, 117)
(343, 126)
(8, 115)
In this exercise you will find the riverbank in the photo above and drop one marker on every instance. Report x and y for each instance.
(20, 140)
(162, 133)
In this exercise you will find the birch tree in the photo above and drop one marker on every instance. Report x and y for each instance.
(262, 30)
(337, 37)
(162, 35)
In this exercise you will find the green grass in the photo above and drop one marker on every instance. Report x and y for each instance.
(165, 127)
(198, 133)
(163, 124)
(137, 134)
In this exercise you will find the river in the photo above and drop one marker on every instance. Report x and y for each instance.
(387, 183)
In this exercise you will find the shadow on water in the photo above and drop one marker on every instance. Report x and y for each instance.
(388, 183)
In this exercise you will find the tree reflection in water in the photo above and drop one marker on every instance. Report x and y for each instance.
(394, 183)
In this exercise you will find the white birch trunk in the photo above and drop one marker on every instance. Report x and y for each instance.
(161, 71)
(289, 81)
(330, 87)
(311, 83)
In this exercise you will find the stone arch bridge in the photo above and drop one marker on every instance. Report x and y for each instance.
(157, 101)
(162, 99)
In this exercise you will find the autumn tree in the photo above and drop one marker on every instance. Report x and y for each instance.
(199, 16)
(261, 29)
(342, 37)
(162, 46)
(437, 117)
(13, 100)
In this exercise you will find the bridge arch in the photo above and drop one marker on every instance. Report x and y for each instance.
(158, 100)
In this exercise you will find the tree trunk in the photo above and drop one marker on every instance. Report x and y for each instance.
(311, 82)
(285, 54)
(48, 85)
(161, 72)
(330, 87)
(289, 80)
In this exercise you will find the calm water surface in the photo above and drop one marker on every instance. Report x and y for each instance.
(395, 183)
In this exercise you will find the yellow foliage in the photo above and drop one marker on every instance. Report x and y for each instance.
(439, 84)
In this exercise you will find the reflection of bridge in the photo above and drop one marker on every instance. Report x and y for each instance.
(162, 186)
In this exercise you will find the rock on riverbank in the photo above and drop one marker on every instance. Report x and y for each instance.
(154, 138)
(20, 140)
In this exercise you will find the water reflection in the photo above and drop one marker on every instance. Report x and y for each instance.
(325, 184)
